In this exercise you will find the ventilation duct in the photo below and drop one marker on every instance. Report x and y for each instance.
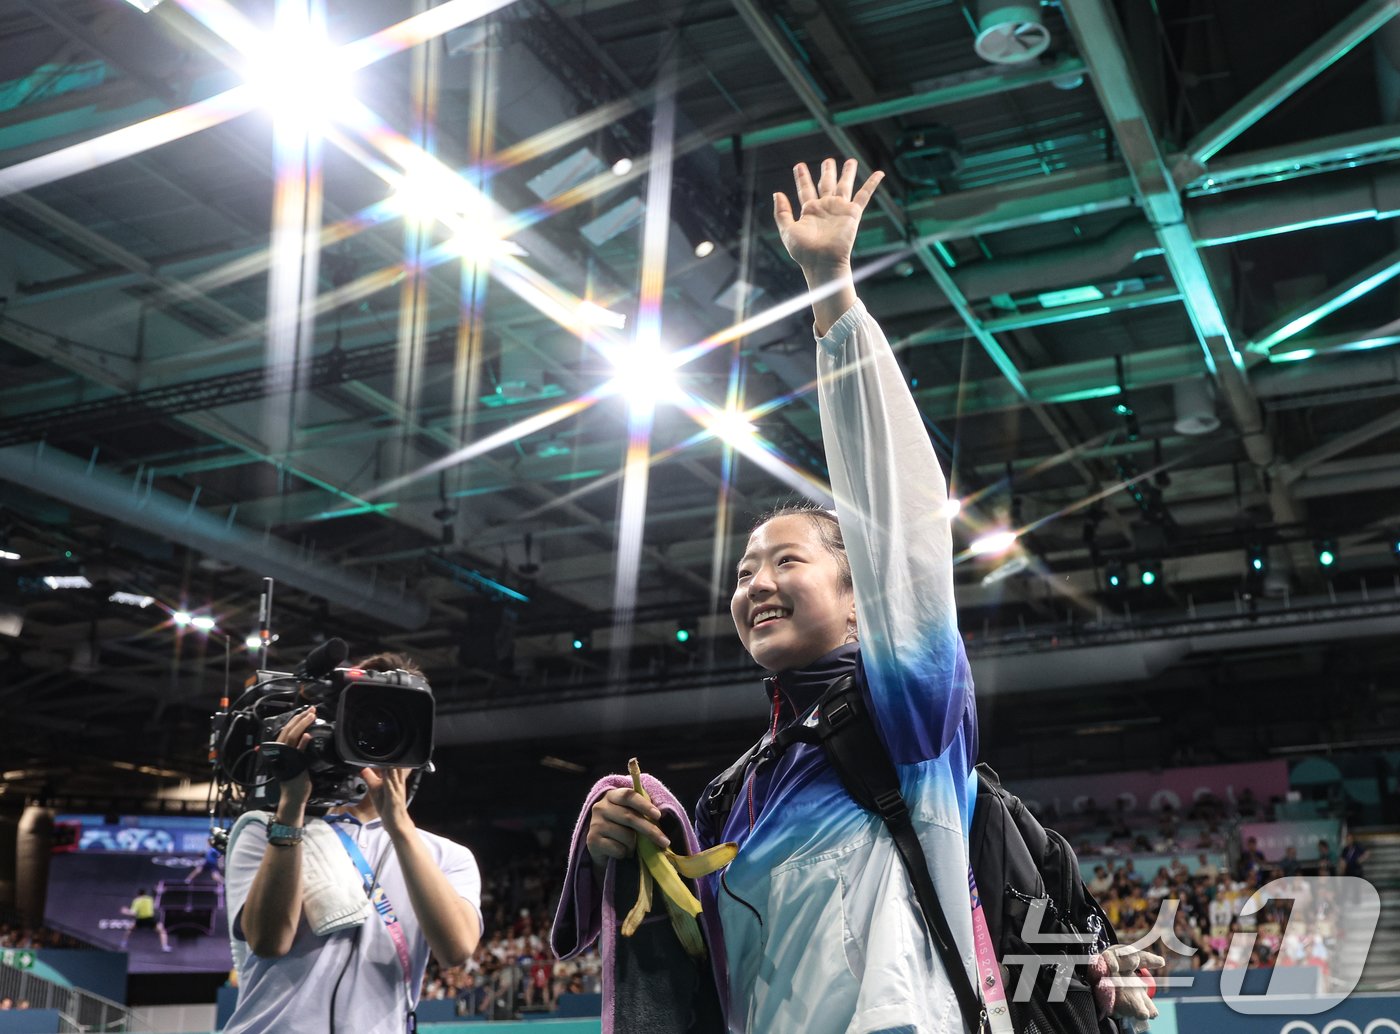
(61, 476)
(1195, 407)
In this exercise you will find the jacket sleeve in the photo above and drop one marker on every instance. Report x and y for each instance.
(891, 502)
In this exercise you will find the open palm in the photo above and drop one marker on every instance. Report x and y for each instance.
(823, 233)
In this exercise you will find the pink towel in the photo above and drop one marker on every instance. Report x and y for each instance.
(581, 918)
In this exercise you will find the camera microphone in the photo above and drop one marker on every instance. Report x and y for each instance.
(323, 660)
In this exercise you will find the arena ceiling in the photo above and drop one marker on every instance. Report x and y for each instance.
(1143, 285)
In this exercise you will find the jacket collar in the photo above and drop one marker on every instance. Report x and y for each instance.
(801, 687)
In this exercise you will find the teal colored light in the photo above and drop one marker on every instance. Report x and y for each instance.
(578, 644)
(1326, 558)
(1086, 394)
(68, 554)
(1257, 563)
(682, 635)
(1069, 296)
(1295, 356)
(1123, 409)
(1149, 577)
(1113, 580)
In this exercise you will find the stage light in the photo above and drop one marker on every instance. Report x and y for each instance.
(253, 642)
(182, 618)
(8, 554)
(731, 426)
(683, 634)
(951, 508)
(131, 599)
(644, 372)
(699, 239)
(298, 74)
(582, 641)
(203, 622)
(1113, 574)
(993, 543)
(67, 581)
(1326, 552)
(1149, 574)
(622, 166)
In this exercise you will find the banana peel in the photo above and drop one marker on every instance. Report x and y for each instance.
(665, 869)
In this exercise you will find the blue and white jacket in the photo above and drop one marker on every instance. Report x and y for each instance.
(820, 927)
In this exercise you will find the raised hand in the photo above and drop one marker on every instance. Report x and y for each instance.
(820, 237)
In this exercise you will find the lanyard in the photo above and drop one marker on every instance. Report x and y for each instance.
(993, 987)
(380, 898)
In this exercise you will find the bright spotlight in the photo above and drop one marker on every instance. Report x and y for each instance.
(203, 622)
(131, 599)
(622, 167)
(705, 248)
(951, 508)
(67, 581)
(253, 642)
(182, 618)
(8, 554)
(144, 6)
(993, 543)
(298, 74)
(732, 427)
(644, 373)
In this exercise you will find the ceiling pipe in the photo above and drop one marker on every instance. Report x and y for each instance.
(85, 485)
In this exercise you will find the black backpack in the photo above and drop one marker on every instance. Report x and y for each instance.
(1022, 869)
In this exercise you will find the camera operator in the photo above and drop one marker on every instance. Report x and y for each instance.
(365, 979)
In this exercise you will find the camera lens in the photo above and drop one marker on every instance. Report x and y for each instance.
(376, 733)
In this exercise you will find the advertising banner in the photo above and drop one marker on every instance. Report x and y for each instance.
(1149, 791)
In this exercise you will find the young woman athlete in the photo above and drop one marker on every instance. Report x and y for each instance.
(821, 931)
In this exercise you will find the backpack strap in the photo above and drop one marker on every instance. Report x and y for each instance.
(842, 725)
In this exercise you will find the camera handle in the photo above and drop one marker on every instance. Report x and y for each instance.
(285, 762)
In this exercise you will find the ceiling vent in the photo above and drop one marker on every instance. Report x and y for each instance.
(929, 155)
(1010, 33)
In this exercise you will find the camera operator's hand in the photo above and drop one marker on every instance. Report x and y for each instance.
(449, 923)
(617, 818)
(388, 789)
(296, 791)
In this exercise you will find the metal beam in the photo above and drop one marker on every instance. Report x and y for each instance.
(133, 69)
(1098, 37)
(778, 50)
(1304, 462)
(1317, 309)
(950, 89)
(762, 28)
(1329, 48)
(81, 483)
(1294, 161)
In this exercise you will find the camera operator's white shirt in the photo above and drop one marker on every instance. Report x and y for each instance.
(292, 994)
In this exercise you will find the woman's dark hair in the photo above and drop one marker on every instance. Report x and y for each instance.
(828, 529)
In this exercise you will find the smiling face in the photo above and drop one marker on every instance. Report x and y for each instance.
(790, 603)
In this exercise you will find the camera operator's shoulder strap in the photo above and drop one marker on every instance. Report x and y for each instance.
(374, 890)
